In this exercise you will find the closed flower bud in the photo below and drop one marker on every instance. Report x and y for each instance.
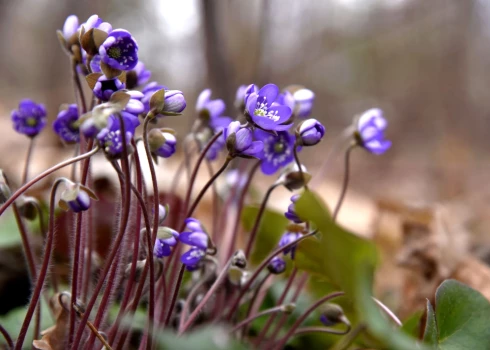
(239, 260)
(291, 213)
(277, 265)
(292, 178)
(174, 102)
(239, 141)
(333, 314)
(310, 132)
(288, 308)
(76, 198)
(163, 211)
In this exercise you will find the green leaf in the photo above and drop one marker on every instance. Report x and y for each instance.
(205, 338)
(430, 333)
(412, 324)
(462, 315)
(348, 262)
(270, 230)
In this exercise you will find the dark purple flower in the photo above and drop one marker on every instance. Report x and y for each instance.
(310, 132)
(104, 87)
(167, 148)
(239, 141)
(370, 131)
(208, 109)
(64, 125)
(291, 213)
(95, 64)
(148, 91)
(110, 138)
(303, 102)
(193, 225)
(30, 118)
(197, 239)
(119, 50)
(264, 113)
(70, 27)
(162, 246)
(95, 22)
(287, 238)
(277, 152)
(76, 198)
(277, 265)
(192, 258)
(138, 76)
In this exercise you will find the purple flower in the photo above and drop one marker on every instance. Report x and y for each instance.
(193, 225)
(70, 27)
(370, 131)
(162, 246)
(135, 106)
(75, 198)
(196, 239)
(162, 212)
(286, 98)
(138, 76)
(277, 265)
(208, 109)
(167, 148)
(64, 125)
(277, 152)
(242, 94)
(291, 213)
(174, 101)
(119, 50)
(30, 118)
(287, 238)
(310, 132)
(148, 91)
(239, 141)
(110, 138)
(104, 87)
(264, 113)
(303, 102)
(95, 64)
(95, 22)
(192, 258)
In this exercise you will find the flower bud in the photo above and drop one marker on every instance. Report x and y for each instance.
(76, 198)
(174, 102)
(291, 213)
(277, 265)
(292, 178)
(239, 141)
(28, 208)
(333, 314)
(310, 132)
(288, 308)
(163, 211)
(235, 275)
(162, 142)
(239, 260)
(167, 238)
(370, 131)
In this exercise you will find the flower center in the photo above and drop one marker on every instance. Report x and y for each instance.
(31, 121)
(114, 52)
(279, 147)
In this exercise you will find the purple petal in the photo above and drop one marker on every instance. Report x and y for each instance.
(215, 108)
(70, 27)
(269, 168)
(251, 103)
(280, 114)
(203, 98)
(255, 149)
(243, 139)
(270, 92)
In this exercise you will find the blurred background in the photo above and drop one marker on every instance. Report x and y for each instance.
(425, 63)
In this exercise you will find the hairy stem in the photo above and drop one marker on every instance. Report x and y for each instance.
(344, 184)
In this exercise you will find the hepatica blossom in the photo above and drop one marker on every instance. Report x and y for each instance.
(263, 113)
(287, 238)
(197, 239)
(110, 138)
(370, 131)
(208, 109)
(64, 125)
(119, 50)
(310, 132)
(291, 213)
(96, 22)
(148, 91)
(104, 87)
(277, 151)
(239, 141)
(163, 246)
(30, 118)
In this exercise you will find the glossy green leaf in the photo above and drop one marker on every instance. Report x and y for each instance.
(430, 333)
(348, 262)
(462, 316)
(270, 231)
(205, 338)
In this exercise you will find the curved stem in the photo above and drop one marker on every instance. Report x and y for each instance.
(241, 204)
(219, 280)
(154, 182)
(78, 84)
(271, 319)
(74, 275)
(41, 176)
(117, 243)
(300, 168)
(345, 182)
(7, 337)
(44, 268)
(25, 242)
(246, 321)
(25, 174)
(204, 189)
(258, 219)
(262, 265)
(300, 319)
(304, 330)
(196, 169)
